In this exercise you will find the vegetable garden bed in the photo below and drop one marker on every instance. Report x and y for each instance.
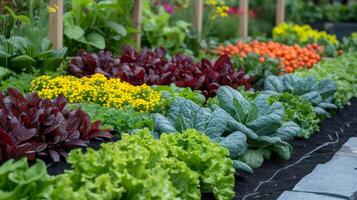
(344, 123)
(179, 113)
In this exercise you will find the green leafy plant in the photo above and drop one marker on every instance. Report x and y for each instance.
(141, 167)
(233, 121)
(158, 32)
(19, 181)
(22, 7)
(98, 25)
(254, 66)
(217, 125)
(24, 45)
(249, 94)
(306, 11)
(208, 159)
(319, 93)
(329, 49)
(266, 121)
(22, 82)
(349, 44)
(170, 92)
(299, 111)
(119, 120)
(342, 70)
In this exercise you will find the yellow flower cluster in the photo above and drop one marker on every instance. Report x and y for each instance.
(302, 32)
(52, 9)
(98, 89)
(219, 7)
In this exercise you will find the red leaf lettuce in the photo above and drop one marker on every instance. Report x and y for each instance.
(33, 127)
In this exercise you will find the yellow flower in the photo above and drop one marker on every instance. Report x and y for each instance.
(219, 7)
(304, 33)
(98, 89)
(52, 9)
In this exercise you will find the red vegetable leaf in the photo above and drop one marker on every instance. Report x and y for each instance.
(33, 127)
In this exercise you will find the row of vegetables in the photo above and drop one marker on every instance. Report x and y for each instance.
(171, 126)
(187, 134)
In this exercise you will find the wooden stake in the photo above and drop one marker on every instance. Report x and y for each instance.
(198, 6)
(56, 23)
(280, 12)
(137, 21)
(243, 29)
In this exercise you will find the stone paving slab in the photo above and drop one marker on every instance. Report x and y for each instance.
(337, 177)
(352, 142)
(348, 149)
(288, 195)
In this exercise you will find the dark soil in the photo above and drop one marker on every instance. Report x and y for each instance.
(59, 167)
(344, 123)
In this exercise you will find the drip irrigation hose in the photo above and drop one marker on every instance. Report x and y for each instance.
(297, 162)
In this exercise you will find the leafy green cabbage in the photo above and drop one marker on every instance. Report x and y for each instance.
(266, 121)
(234, 123)
(342, 70)
(319, 93)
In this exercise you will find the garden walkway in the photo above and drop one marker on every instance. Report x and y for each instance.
(334, 180)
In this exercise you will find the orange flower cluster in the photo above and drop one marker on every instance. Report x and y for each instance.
(291, 57)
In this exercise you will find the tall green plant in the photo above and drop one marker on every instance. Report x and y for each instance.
(159, 32)
(98, 25)
(24, 45)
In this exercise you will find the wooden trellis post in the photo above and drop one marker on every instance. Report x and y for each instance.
(243, 26)
(137, 21)
(198, 11)
(56, 23)
(280, 12)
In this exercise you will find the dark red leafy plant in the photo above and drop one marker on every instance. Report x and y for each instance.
(153, 68)
(35, 127)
